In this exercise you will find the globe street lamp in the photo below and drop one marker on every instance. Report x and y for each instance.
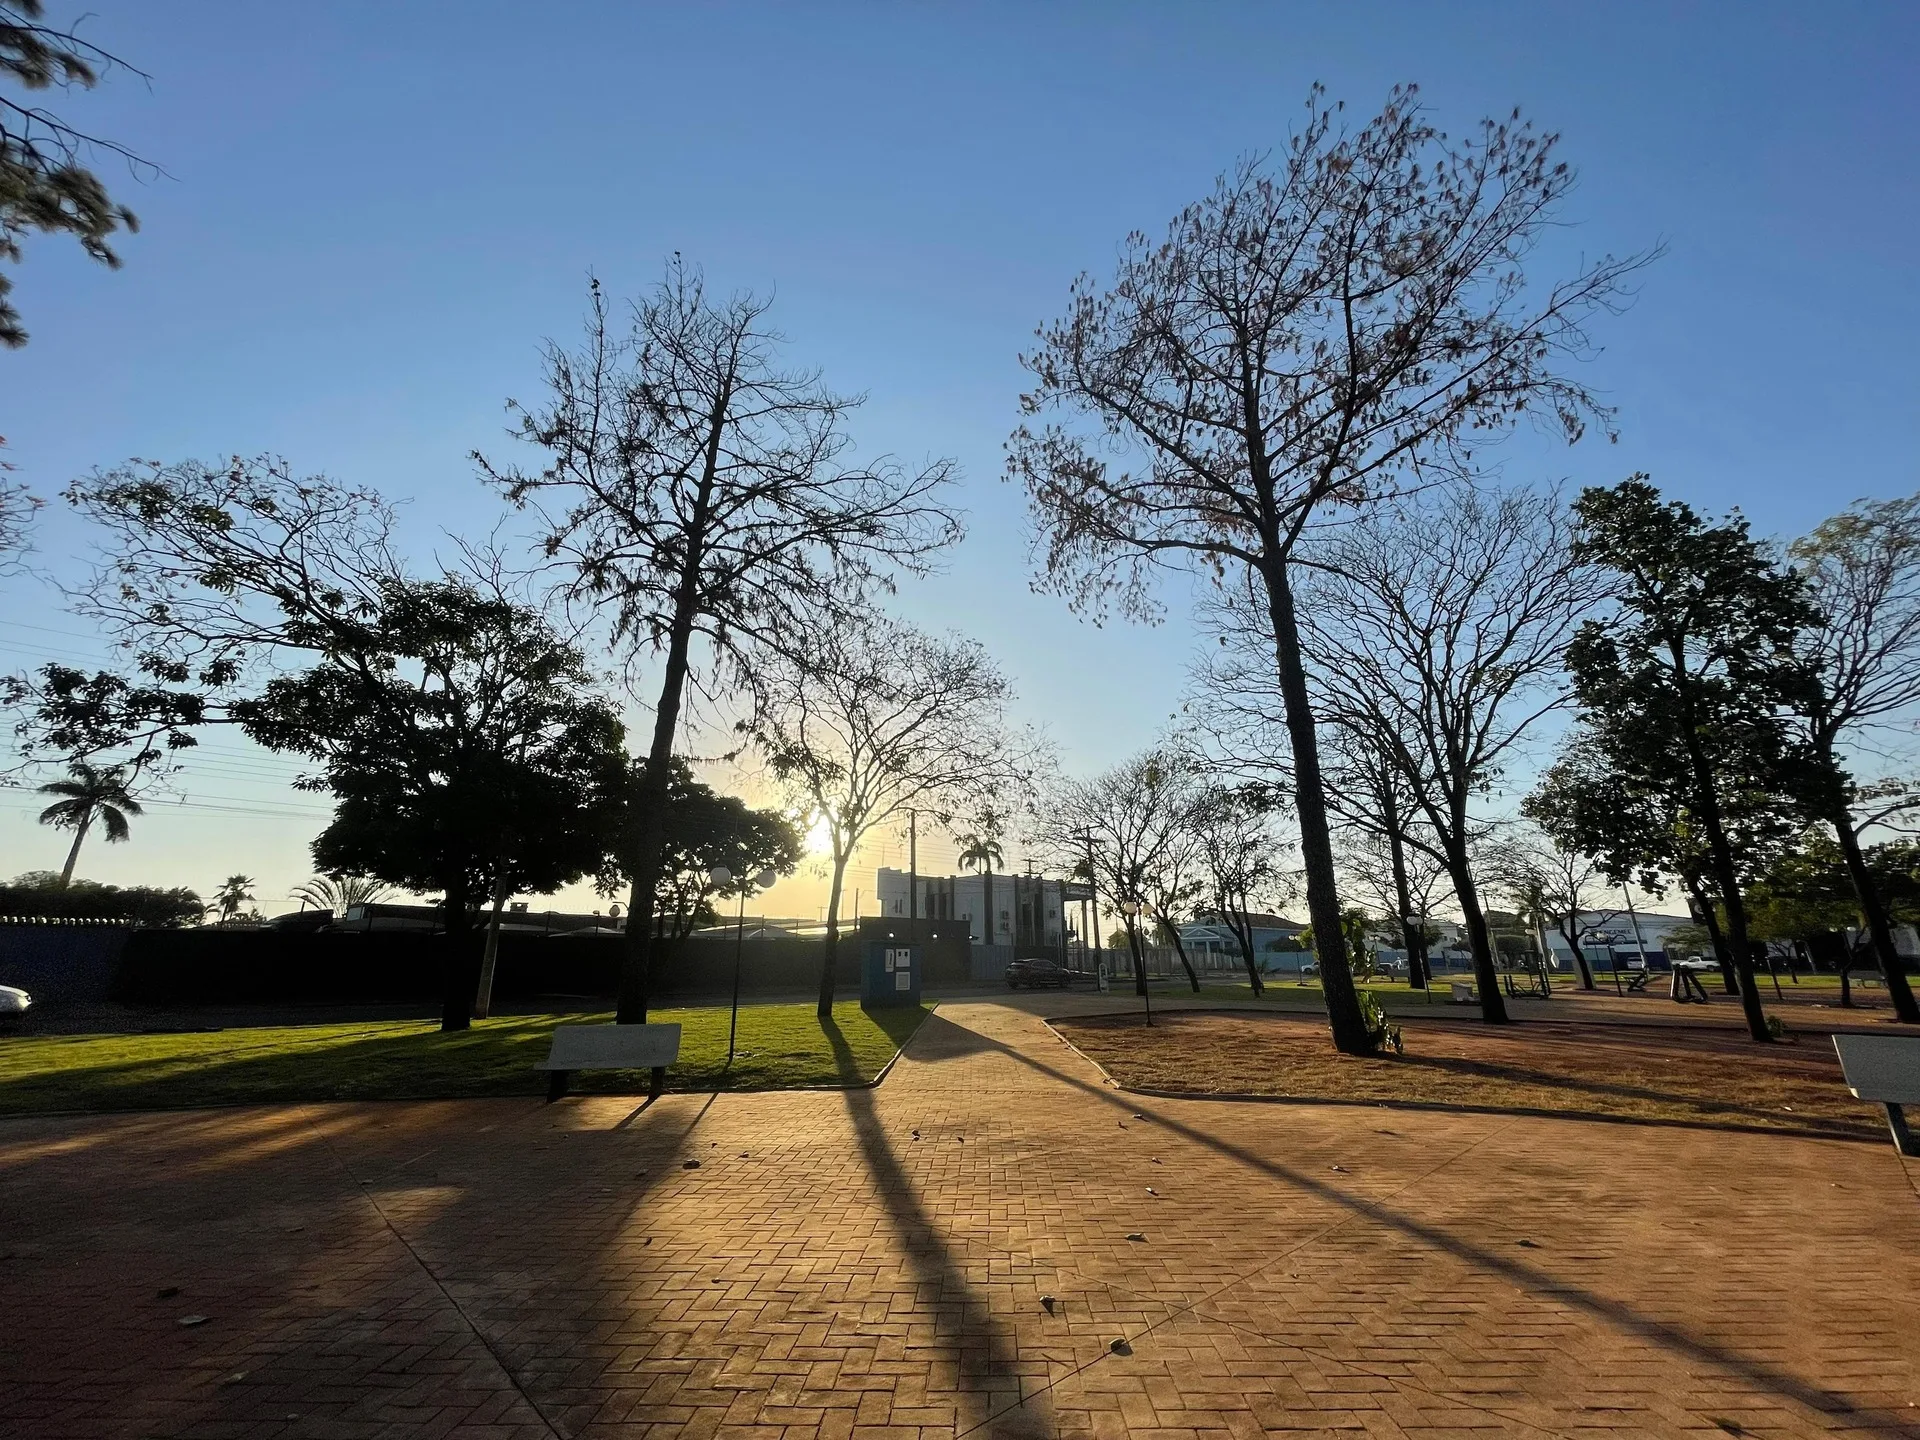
(1131, 909)
(720, 877)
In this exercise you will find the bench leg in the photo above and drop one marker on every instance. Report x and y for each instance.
(1903, 1140)
(656, 1082)
(557, 1082)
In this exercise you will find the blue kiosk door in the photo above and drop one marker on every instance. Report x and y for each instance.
(892, 975)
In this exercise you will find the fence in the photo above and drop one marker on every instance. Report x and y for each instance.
(62, 961)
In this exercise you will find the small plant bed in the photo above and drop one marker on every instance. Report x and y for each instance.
(780, 1047)
(1664, 1073)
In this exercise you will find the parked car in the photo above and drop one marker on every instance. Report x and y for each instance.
(1038, 975)
(14, 1001)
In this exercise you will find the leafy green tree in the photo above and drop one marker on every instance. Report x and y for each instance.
(1862, 569)
(43, 184)
(337, 894)
(230, 900)
(980, 849)
(43, 893)
(1810, 891)
(1687, 693)
(704, 831)
(88, 794)
(466, 752)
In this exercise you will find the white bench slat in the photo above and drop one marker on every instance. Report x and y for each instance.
(1884, 1068)
(612, 1047)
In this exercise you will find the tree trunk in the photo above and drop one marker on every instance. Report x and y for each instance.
(483, 998)
(987, 870)
(1139, 958)
(1726, 877)
(459, 965)
(1310, 804)
(73, 852)
(1180, 949)
(1243, 936)
(1570, 933)
(1493, 1005)
(1874, 915)
(1402, 898)
(830, 950)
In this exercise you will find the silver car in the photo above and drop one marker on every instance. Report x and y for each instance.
(14, 1001)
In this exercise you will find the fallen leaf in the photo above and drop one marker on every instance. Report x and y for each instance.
(1119, 1347)
(1342, 1169)
(188, 1321)
(1152, 1191)
(690, 1165)
(1048, 1301)
(1136, 1235)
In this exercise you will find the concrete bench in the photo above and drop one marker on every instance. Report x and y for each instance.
(1886, 1070)
(1462, 994)
(610, 1047)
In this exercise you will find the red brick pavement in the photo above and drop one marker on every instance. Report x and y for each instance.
(870, 1266)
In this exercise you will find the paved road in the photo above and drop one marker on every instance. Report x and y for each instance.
(871, 1265)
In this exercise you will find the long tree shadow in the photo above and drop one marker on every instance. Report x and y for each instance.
(1555, 1080)
(1612, 1312)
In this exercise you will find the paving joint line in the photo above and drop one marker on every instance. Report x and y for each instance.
(486, 1343)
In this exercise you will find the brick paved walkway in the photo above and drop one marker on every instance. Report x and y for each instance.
(871, 1265)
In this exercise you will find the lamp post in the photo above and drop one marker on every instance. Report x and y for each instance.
(1131, 909)
(720, 877)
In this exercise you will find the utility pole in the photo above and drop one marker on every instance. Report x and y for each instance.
(1638, 943)
(1093, 898)
(913, 877)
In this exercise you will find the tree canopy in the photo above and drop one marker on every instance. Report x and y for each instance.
(44, 186)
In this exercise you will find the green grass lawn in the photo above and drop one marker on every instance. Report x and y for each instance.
(781, 1047)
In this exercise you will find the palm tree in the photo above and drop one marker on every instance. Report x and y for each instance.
(340, 893)
(982, 851)
(228, 899)
(91, 793)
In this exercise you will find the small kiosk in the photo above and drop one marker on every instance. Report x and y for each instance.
(891, 975)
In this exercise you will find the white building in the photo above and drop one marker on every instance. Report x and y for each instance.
(1028, 909)
(1607, 935)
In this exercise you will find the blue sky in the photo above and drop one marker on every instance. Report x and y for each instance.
(373, 214)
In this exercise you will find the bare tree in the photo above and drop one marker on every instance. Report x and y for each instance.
(1241, 850)
(1862, 569)
(879, 719)
(1330, 325)
(1437, 630)
(1379, 805)
(698, 495)
(1132, 824)
(1562, 884)
(17, 507)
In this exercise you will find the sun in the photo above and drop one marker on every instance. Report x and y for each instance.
(820, 837)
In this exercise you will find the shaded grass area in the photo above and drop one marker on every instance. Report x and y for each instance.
(780, 1047)
(1688, 1075)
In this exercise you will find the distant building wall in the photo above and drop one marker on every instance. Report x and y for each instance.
(1028, 908)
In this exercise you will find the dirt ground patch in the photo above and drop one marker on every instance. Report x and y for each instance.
(1668, 1073)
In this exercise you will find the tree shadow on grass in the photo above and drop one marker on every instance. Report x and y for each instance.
(495, 1059)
